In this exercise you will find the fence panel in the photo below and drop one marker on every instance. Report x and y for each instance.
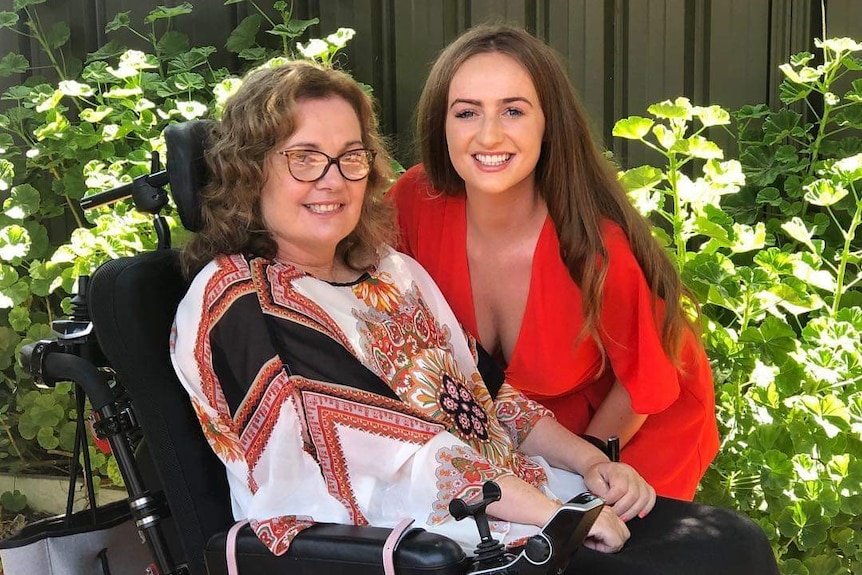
(622, 55)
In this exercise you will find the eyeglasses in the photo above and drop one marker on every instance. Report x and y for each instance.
(311, 165)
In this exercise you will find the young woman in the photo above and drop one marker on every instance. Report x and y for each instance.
(522, 223)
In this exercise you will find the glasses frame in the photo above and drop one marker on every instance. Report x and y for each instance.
(330, 161)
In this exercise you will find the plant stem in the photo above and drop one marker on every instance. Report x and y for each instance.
(679, 241)
(12, 442)
(849, 236)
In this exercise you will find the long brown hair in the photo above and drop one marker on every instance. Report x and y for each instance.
(255, 119)
(576, 182)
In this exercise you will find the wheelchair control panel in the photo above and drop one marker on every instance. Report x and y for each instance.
(547, 552)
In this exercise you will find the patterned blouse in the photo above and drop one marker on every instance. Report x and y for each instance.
(356, 403)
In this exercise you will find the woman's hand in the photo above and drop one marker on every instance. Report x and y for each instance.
(622, 488)
(608, 534)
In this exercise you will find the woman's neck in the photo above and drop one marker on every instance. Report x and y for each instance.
(505, 216)
(328, 269)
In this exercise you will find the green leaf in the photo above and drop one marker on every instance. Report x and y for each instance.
(665, 136)
(298, 27)
(749, 112)
(712, 116)
(173, 43)
(780, 125)
(747, 238)
(797, 230)
(75, 89)
(822, 279)
(39, 244)
(7, 170)
(727, 173)
(253, 54)
(111, 50)
(801, 59)
(790, 92)
(839, 45)
(58, 35)
(713, 229)
(774, 338)
(803, 75)
(121, 20)
(769, 196)
(245, 34)
(163, 12)
(67, 436)
(679, 109)
(849, 169)
(699, 147)
(14, 243)
(19, 318)
(13, 63)
(187, 81)
(633, 128)
(829, 412)
(824, 192)
(96, 116)
(9, 340)
(8, 19)
(22, 202)
(850, 116)
(851, 505)
(13, 501)
(340, 37)
(641, 178)
(855, 92)
(113, 471)
(21, 4)
(8, 276)
(190, 60)
(47, 439)
(775, 260)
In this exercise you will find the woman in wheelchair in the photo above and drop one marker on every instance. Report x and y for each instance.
(335, 384)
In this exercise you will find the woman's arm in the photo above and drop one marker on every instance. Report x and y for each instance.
(523, 503)
(616, 417)
(218, 352)
(617, 483)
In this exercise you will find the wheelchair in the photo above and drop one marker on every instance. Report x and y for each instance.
(115, 348)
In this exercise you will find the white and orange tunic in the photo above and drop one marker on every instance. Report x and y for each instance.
(356, 403)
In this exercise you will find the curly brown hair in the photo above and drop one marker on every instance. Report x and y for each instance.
(255, 119)
(574, 179)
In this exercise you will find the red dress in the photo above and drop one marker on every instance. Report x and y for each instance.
(550, 364)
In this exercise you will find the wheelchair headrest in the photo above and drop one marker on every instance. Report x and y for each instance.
(187, 168)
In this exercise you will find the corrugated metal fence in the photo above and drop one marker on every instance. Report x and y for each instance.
(621, 54)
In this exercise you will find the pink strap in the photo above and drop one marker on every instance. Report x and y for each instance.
(391, 544)
(230, 546)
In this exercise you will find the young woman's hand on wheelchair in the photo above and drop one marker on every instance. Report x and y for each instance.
(622, 488)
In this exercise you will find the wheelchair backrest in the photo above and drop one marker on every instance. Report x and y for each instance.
(132, 303)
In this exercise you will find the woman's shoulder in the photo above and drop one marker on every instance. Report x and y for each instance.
(219, 275)
(613, 233)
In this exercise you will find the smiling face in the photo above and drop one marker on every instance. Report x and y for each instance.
(494, 125)
(309, 219)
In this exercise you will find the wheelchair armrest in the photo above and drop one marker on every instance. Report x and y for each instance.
(340, 549)
(609, 448)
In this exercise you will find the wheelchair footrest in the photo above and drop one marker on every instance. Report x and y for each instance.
(341, 550)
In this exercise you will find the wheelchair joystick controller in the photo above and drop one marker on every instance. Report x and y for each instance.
(546, 553)
(489, 552)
